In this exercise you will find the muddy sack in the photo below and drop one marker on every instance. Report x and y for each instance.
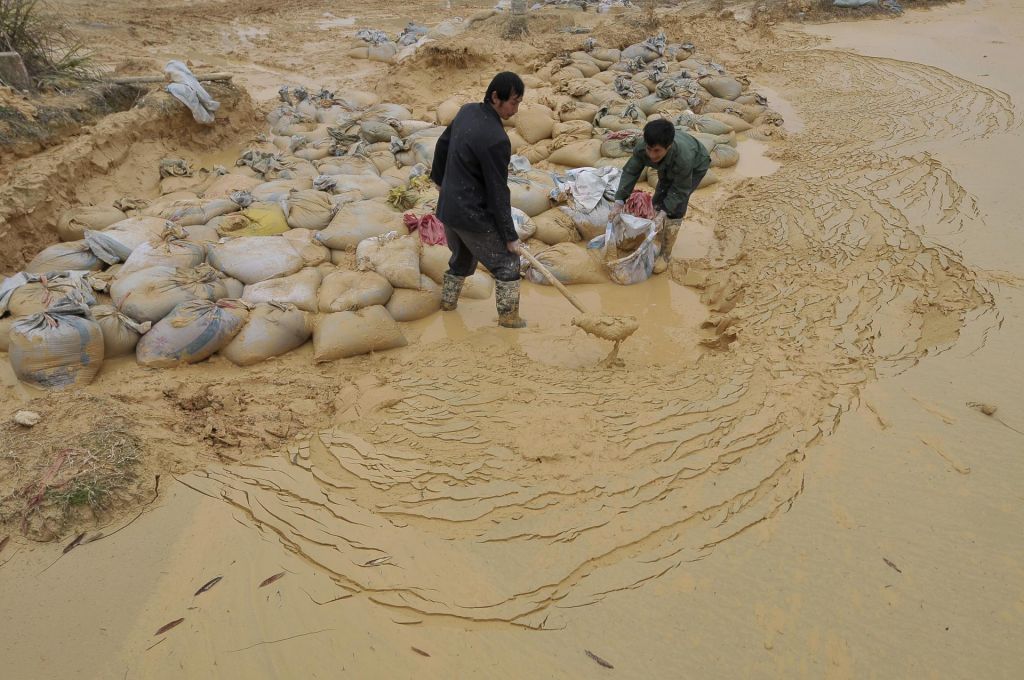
(71, 256)
(349, 334)
(72, 223)
(190, 212)
(273, 329)
(347, 291)
(299, 289)
(169, 249)
(361, 220)
(555, 226)
(60, 347)
(724, 156)
(529, 195)
(150, 294)
(570, 264)
(723, 87)
(28, 293)
(252, 259)
(193, 331)
(120, 333)
(589, 223)
(396, 258)
(407, 304)
(582, 154)
(627, 268)
(309, 209)
(115, 243)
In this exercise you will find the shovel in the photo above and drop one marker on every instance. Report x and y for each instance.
(613, 328)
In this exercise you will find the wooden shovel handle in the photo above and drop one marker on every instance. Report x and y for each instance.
(552, 280)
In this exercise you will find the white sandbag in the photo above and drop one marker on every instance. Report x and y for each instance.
(58, 348)
(735, 122)
(115, 243)
(225, 185)
(120, 333)
(234, 287)
(188, 212)
(525, 228)
(396, 258)
(278, 189)
(361, 220)
(349, 334)
(407, 304)
(555, 226)
(272, 329)
(150, 294)
(169, 249)
(366, 186)
(193, 331)
(299, 289)
(344, 291)
(72, 223)
(252, 259)
(724, 156)
(448, 109)
(70, 256)
(589, 223)
(583, 154)
(309, 209)
(570, 264)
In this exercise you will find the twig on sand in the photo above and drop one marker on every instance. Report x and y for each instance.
(271, 642)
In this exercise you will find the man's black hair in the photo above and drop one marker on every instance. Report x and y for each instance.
(505, 85)
(659, 133)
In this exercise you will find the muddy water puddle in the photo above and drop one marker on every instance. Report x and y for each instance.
(669, 316)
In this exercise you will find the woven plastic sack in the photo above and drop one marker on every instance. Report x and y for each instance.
(273, 329)
(58, 348)
(192, 332)
(349, 334)
(636, 266)
(299, 289)
(71, 256)
(120, 333)
(252, 259)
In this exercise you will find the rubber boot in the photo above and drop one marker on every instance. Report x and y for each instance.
(506, 299)
(669, 232)
(450, 290)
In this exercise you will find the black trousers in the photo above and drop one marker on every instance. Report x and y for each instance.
(662, 190)
(486, 247)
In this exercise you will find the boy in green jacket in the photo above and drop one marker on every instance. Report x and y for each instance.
(681, 162)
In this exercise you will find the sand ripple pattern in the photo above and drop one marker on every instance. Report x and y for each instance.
(474, 483)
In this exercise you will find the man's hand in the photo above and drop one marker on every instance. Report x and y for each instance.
(514, 246)
(616, 210)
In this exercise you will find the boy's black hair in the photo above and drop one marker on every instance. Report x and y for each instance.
(659, 133)
(505, 84)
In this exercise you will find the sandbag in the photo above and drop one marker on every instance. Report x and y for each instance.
(312, 252)
(188, 212)
(349, 334)
(396, 258)
(309, 209)
(259, 219)
(358, 221)
(735, 122)
(169, 249)
(367, 186)
(234, 287)
(407, 304)
(589, 223)
(225, 185)
(277, 189)
(115, 243)
(534, 122)
(348, 165)
(58, 348)
(724, 156)
(641, 50)
(384, 52)
(120, 333)
(606, 54)
(272, 329)
(299, 289)
(583, 154)
(150, 294)
(203, 233)
(722, 86)
(535, 153)
(374, 131)
(27, 293)
(570, 264)
(193, 331)
(530, 194)
(434, 263)
(577, 110)
(555, 226)
(346, 291)
(70, 256)
(252, 259)
(448, 109)
(570, 131)
(5, 330)
(72, 223)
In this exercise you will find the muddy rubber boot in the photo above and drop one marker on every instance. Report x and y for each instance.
(506, 299)
(450, 290)
(668, 235)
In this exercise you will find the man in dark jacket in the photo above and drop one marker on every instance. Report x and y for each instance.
(681, 162)
(471, 172)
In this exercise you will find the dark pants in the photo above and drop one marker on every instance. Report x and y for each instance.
(680, 212)
(486, 247)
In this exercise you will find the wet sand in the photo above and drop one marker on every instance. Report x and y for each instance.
(820, 499)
